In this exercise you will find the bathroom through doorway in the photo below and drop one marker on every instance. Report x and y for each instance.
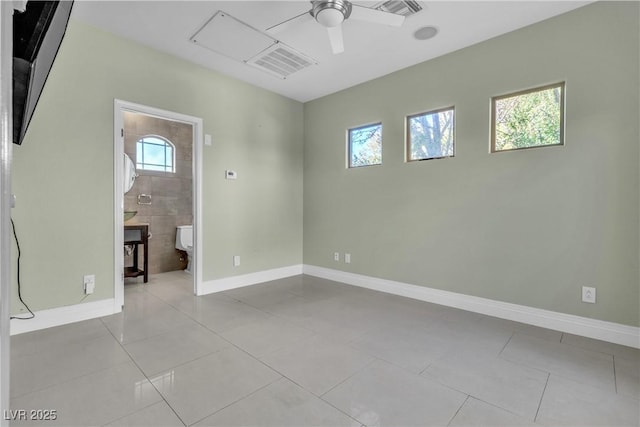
(157, 196)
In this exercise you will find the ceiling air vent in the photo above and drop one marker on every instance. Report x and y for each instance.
(281, 61)
(405, 8)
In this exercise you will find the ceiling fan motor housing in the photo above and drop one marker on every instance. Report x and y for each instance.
(330, 13)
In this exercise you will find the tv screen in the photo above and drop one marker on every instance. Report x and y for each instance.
(37, 35)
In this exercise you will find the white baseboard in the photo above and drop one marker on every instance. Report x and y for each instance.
(233, 282)
(64, 315)
(583, 326)
(591, 328)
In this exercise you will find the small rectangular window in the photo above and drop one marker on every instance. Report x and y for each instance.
(365, 145)
(527, 119)
(430, 135)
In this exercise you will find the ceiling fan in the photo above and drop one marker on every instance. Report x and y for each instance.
(332, 13)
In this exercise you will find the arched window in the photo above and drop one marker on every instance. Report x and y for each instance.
(155, 153)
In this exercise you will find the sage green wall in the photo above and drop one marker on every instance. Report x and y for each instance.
(63, 173)
(528, 227)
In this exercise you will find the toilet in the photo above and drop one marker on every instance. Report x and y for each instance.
(184, 242)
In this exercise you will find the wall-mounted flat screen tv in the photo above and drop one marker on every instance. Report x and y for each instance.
(37, 34)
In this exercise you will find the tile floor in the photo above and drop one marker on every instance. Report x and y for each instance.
(304, 351)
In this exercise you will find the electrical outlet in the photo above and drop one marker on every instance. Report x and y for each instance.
(89, 283)
(236, 260)
(589, 294)
(347, 258)
(336, 256)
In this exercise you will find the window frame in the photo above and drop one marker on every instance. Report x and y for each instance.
(407, 144)
(167, 143)
(561, 85)
(349, 151)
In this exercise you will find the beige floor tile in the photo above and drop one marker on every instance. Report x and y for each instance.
(221, 315)
(59, 336)
(280, 404)
(510, 386)
(476, 413)
(170, 349)
(267, 336)
(405, 350)
(94, 399)
(602, 346)
(202, 387)
(385, 395)
(570, 403)
(131, 326)
(305, 351)
(627, 376)
(317, 364)
(156, 415)
(586, 366)
(62, 363)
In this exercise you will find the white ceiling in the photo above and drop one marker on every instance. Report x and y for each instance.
(371, 50)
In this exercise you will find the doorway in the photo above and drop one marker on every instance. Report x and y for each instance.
(168, 193)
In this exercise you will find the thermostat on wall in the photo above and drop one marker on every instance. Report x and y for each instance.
(229, 174)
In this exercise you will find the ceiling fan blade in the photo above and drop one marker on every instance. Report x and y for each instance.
(361, 13)
(336, 39)
(290, 23)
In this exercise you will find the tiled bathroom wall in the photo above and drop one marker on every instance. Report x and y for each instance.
(171, 193)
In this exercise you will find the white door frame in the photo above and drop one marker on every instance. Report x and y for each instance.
(120, 107)
(6, 158)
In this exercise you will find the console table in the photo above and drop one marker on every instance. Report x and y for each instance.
(136, 235)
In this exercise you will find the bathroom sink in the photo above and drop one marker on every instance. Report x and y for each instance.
(129, 214)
